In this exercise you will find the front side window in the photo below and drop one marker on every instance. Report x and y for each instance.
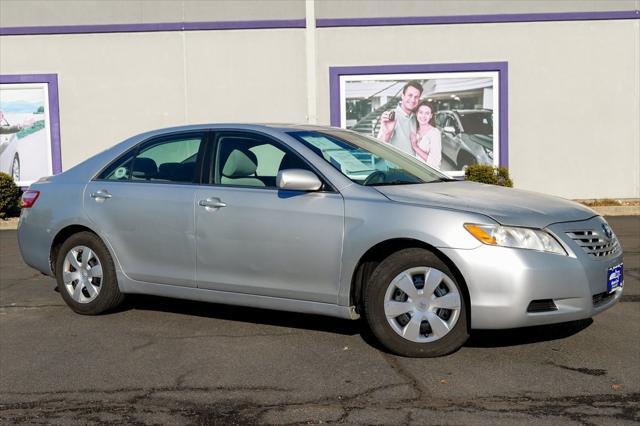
(366, 161)
(452, 122)
(165, 160)
(246, 159)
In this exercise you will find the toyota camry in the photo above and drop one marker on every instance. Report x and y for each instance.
(316, 220)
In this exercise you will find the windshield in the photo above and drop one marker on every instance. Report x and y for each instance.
(478, 123)
(367, 161)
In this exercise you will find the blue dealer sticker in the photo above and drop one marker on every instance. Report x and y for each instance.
(614, 277)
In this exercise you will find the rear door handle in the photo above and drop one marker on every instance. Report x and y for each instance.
(212, 203)
(101, 194)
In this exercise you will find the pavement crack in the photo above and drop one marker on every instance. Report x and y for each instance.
(588, 371)
(15, 306)
(118, 391)
(83, 407)
(397, 367)
(156, 339)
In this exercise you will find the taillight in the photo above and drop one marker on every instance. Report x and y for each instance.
(29, 198)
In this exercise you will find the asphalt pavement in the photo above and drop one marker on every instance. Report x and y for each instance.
(162, 361)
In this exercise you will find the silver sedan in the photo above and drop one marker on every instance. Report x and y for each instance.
(317, 220)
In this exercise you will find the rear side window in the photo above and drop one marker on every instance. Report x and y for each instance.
(119, 169)
(170, 159)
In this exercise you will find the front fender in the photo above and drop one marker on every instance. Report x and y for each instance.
(369, 223)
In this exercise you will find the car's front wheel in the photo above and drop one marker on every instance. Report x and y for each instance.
(415, 306)
(15, 168)
(86, 275)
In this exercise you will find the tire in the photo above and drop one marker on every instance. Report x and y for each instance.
(15, 168)
(86, 275)
(425, 321)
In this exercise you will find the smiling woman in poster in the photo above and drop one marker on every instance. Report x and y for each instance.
(426, 142)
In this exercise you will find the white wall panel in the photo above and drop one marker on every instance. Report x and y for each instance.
(400, 8)
(112, 86)
(240, 76)
(16, 13)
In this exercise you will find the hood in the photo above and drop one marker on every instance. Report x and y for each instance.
(506, 206)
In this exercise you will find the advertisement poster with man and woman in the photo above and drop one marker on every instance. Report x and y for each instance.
(445, 120)
(25, 137)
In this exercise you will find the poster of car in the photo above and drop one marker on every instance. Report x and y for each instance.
(445, 119)
(25, 132)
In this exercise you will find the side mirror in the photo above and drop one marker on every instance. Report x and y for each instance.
(449, 129)
(298, 180)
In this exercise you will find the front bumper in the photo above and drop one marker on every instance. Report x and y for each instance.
(503, 282)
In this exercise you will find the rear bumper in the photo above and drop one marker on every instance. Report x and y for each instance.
(34, 241)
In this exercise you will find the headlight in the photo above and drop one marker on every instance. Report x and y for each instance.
(510, 236)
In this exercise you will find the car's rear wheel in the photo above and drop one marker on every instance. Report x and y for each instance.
(415, 306)
(86, 275)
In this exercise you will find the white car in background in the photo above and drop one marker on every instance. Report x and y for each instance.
(9, 156)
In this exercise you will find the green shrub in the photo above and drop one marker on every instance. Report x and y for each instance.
(9, 197)
(484, 173)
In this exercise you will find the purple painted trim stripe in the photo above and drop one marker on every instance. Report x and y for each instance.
(502, 67)
(151, 27)
(54, 110)
(321, 23)
(477, 19)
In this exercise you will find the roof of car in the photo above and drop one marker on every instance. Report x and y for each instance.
(291, 126)
(284, 127)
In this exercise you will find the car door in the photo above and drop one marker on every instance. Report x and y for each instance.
(254, 238)
(143, 204)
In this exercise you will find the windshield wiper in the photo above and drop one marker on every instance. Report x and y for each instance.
(397, 182)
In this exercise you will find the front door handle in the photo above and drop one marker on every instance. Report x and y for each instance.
(101, 194)
(212, 203)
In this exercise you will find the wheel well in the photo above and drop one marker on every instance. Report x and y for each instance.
(376, 254)
(60, 238)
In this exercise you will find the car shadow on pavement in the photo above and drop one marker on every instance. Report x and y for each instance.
(241, 314)
(525, 335)
(478, 339)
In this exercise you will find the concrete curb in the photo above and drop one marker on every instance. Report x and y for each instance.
(617, 210)
(12, 223)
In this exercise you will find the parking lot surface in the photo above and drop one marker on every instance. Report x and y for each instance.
(160, 361)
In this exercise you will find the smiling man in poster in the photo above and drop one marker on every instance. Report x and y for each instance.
(399, 123)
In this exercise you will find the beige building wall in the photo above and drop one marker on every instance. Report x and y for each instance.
(399, 8)
(574, 87)
(17, 13)
(112, 86)
(574, 103)
(14, 13)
